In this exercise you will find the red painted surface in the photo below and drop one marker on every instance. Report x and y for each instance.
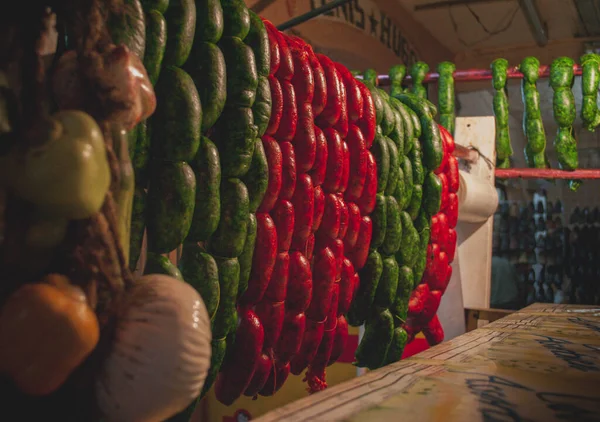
(476, 75)
(525, 173)
(351, 345)
(416, 346)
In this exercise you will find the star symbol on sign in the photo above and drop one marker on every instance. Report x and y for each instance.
(374, 23)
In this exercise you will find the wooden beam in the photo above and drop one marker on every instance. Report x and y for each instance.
(450, 3)
(261, 5)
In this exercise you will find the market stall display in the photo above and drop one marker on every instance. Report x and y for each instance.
(300, 199)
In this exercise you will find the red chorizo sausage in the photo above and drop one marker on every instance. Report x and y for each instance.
(276, 105)
(284, 216)
(277, 290)
(288, 171)
(289, 117)
(358, 163)
(299, 288)
(291, 336)
(237, 371)
(333, 108)
(261, 374)
(274, 161)
(354, 98)
(368, 121)
(263, 260)
(304, 208)
(305, 141)
(319, 168)
(319, 208)
(271, 316)
(358, 255)
(324, 272)
(353, 226)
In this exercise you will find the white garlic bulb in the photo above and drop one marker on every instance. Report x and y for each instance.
(161, 353)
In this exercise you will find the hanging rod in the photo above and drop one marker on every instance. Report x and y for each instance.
(477, 75)
(311, 14)
(527, 173)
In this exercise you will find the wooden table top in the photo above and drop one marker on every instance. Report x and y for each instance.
(540, 363)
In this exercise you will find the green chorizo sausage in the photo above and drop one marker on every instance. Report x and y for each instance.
(418, 72)
(396, 348)
(225, 320)
(181, 27)
(236, 18)
(397, 74)
(199, 269)
(207, 68)
(590, 78)
(397, 133)
(393, 231)
(379, 220)
(388, 284)
(381, 153)
(245, 258)
(370, 275)
(407, 124)
(408, 182)
(414, 206)
(422, 225)
(563, 106)
(430, 137)
(209, 21)
(160, 264)
(400, 187)
(394, 156)
(218, 350)
(416, 159)
(156, 43)
(170, 206)
(389, 120)
(503, 145)
(370, 75)
(533, 126)
(409, 251)
(379, 332)
(446, 95)
(207, 211)
(370, 81)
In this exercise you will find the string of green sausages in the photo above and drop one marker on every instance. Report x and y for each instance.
(533, 126)
(590, 78)
(503, 147)
(396, 74)
(418, 72)
(446, 95)
(563, 106)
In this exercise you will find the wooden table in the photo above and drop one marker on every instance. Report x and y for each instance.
(538, 364)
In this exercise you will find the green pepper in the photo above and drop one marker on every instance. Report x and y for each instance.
(67, 173)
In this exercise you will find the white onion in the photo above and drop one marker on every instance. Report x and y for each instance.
(160, 356)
